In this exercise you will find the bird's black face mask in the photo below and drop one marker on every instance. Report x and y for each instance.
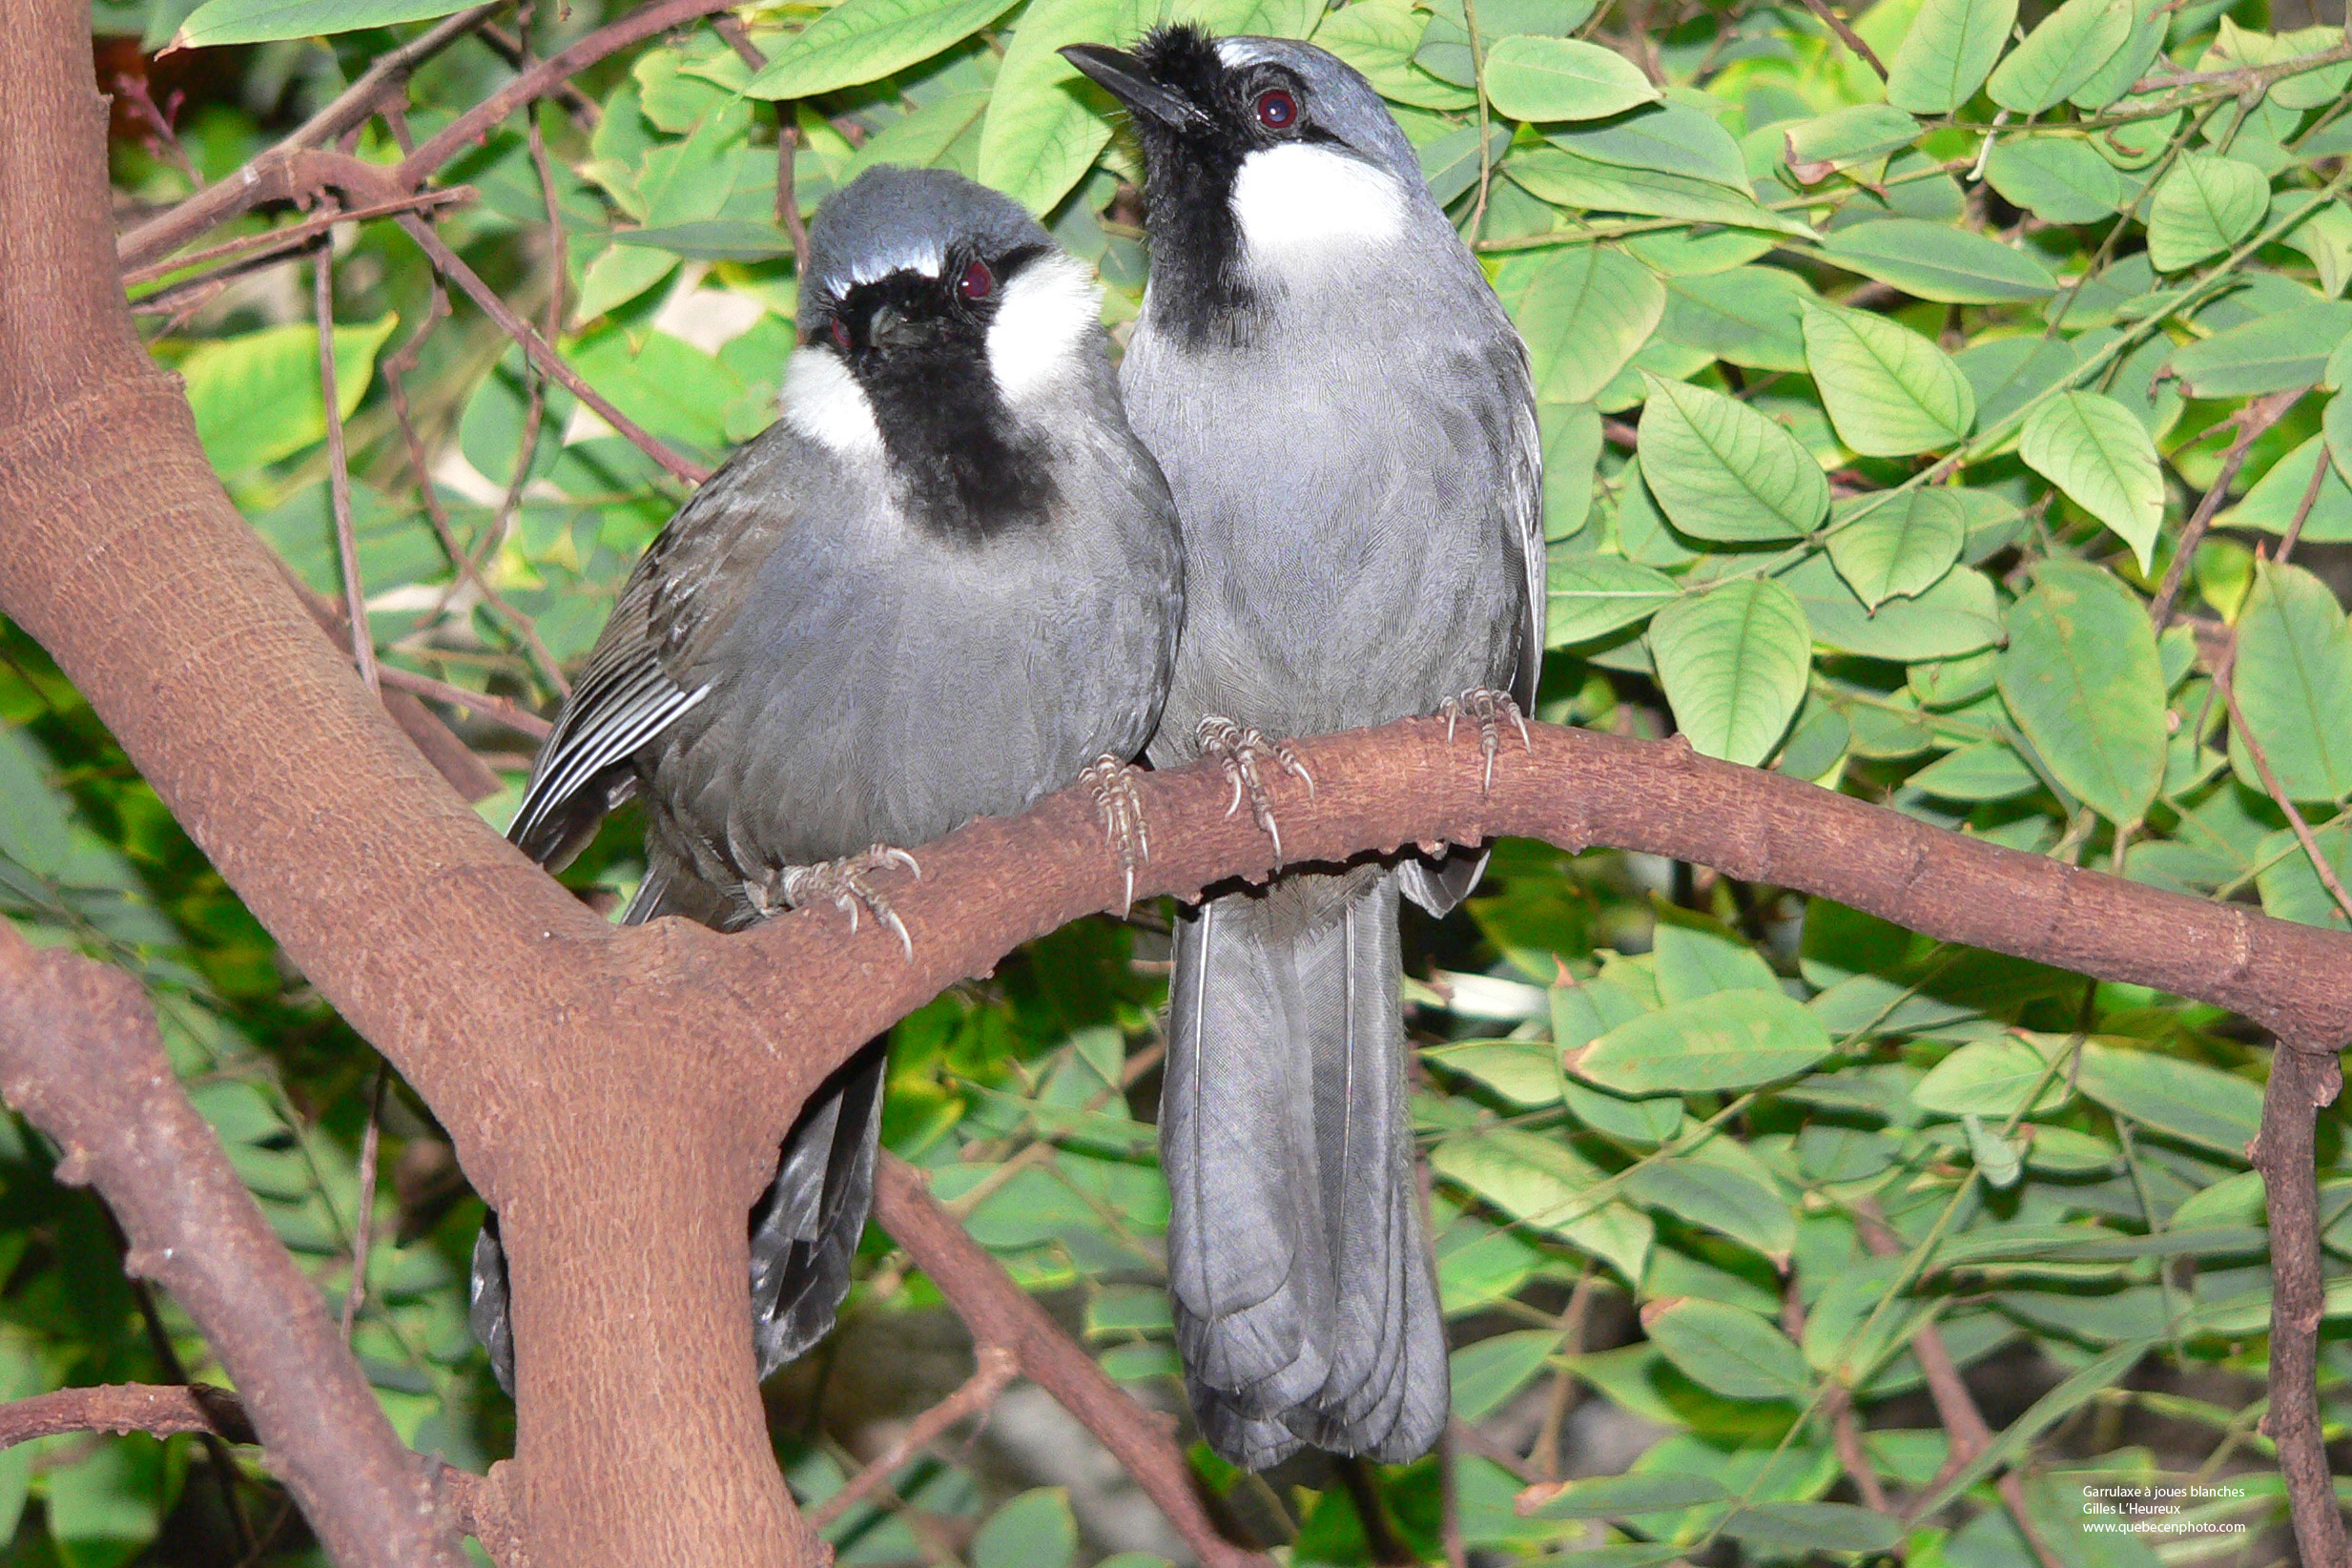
(918, 347)
(1197, 118)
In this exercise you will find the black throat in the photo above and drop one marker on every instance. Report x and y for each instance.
(970, 469)
(1198, 288)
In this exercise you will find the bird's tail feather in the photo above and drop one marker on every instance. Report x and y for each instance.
(1303, 1299)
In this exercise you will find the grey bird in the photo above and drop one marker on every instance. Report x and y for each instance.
(1345, 416)
(945, 583)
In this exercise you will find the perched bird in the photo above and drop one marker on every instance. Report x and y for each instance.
(943, 583)
(1345, 416)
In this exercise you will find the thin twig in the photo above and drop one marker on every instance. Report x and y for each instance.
(2226, 679)
(1838, 1406)
(338, 467)
(1486, 150)
(787, 139)
(497, 709)
(2251, 422)
(293, 235)
(577, 104)
(1847, 36)
(546, 357)
(360, 1225)
(2303, 510)
(998, 1367)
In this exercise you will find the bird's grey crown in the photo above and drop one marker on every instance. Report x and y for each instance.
(1340, 102)
(890, 219)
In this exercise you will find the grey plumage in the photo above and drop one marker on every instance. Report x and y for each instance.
(1345, 416)
(942, 584)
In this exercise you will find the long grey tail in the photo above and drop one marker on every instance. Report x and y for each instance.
(806, 1225)
(1305, 1308)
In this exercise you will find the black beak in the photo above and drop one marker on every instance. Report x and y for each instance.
(889, 328)
(1129, 79)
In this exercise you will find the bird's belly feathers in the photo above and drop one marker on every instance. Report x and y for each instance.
(902, 692)
(1348, 556)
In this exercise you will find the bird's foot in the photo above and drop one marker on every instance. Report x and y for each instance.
(1488, 710)
(1112, 784)
(845, 884)
(1241, 750)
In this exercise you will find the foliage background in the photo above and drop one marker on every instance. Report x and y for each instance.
(1875, 413)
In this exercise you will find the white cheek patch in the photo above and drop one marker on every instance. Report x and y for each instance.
(1042, 324)
(824, 402)
(1300, 203)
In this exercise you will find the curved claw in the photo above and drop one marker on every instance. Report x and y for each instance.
(1488, 708)
(842, 883)
(1112, 783)
(1240, 750)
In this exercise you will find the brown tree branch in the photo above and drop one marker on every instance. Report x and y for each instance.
(2284, 1153)
(543, 353)
(998, 1367)
(1000, 1313)
(162, 1409)
(2251, 422)
(81, 1057)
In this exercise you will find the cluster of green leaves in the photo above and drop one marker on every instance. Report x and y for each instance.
(1872, 410)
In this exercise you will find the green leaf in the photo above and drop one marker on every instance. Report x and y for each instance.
(2202, 207)
(1749, 316)
(2291, 888)
(1571, 179)
(1532, 77)
(1959, 615)
(1583, 310)
(1742, 1203)
(1889, 391)
(1593, 595)
(2293, 681)
(1493, 1370)
(2058, 178)
(2008, 373)
(1933, 261)
(1721, 470)
(2066, 51)
(2277, 497)
(1846, 139)
(1543, 1183)
(1733, 663)
(1803, 1528)
(1668, 139)
(1995, 1077)
(2186, 1099)
(1995, 1161)
(1988, 771)
(1379, 38)
(1946, 52)
(1046, 123)
(1624, 1496)
(218, 22)
(2336, 424)
(2268, 354)
(1571, 440)
(1732, 1040)
(2150, 21)
(2082, 677)
(1694, 959)
(255, 398)
(2091, 446)
(1903, 548)
(865, 40)
(1035, 1530)
(1736, 1354)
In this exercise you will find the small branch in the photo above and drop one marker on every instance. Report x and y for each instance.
(162, 1410)
(1847, 36)
(2251, 422)
(2303, 509)
(361, 1223)
(2225, 679)
(292, 237)
(339, 466)
(542, 355)
(2300, 1083)
(477, 122)
(499, 709)
(999, 1312)
(787, 139)
(998, 1367)
(578, 105)
(81, 1057)
(1838, 1406)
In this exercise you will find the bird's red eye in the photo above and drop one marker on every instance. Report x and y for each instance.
(840, 332)
(1277, 110)
(978, 282)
